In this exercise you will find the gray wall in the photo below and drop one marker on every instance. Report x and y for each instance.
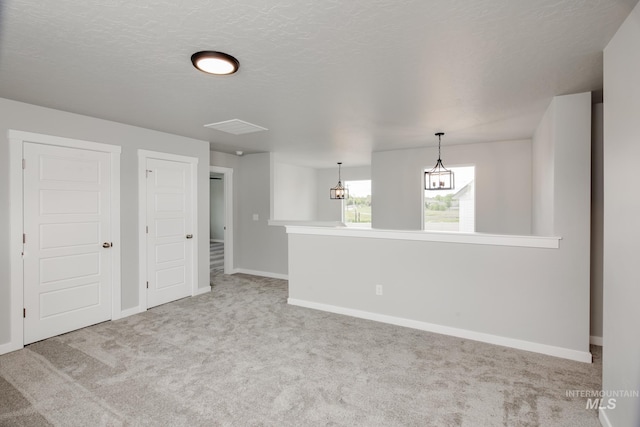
(597, 218)
(224, 160)
(503, 185)
(621, 350)
(528, 294)
(291, 195)
(259, 246)
(31, 118)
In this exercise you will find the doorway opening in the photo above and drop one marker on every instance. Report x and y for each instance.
(216, 223)
(220, 220)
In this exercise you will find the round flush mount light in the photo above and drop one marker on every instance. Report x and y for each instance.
(215, 62)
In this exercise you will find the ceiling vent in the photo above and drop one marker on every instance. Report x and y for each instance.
(235, 126)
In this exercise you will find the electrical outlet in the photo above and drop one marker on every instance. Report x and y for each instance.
(378, 289)
(256, 217)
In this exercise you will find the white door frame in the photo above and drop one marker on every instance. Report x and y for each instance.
(16, 216)
(228, 216)
(143, 155)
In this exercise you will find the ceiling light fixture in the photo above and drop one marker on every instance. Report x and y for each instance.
(338, 192)
(217, 63)
(439, 178)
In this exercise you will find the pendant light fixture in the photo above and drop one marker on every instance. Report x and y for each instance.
(338, 192)
(439, 178)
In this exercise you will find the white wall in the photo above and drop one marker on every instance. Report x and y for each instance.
(560, 192)
(503, 185)
(216, 210)
(542, 155)
(293, 197)
(570, 142)
(31, 118)
(572, 170)
(597, 219)
(562, 186)
(621, 349)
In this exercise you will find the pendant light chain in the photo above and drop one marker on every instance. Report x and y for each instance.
(338, 192)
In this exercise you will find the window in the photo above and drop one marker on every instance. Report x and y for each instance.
(452, 210)
(357, 207)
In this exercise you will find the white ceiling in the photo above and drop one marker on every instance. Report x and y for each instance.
(332, 80)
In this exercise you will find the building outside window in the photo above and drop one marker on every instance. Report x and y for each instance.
(452, 210)
(357, 207)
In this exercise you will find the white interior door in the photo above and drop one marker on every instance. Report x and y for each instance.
(169, 231)
(67, 239)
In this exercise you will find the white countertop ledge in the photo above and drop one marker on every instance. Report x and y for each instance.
(309, 223)
(430, 236)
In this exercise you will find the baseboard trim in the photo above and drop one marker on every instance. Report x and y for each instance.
(565, 353)
(9, 347)
(130, 312)
(595, 340)
(202, 291)
(262, 273)
(604, 420)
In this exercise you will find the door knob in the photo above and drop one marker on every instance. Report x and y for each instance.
(189, 236)
(107, 245)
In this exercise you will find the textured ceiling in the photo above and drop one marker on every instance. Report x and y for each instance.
(331, 80)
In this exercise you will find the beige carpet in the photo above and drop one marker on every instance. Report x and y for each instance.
(241, 356)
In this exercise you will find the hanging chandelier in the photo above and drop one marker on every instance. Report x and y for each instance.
(338, 192)
(439, 178)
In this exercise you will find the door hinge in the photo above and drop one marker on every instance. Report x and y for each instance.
(24, 238)
(147, 284)
(24, 312)
(24, 164)
(147, 227)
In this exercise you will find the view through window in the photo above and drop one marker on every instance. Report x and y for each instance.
(357, 207)
(452, 210)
